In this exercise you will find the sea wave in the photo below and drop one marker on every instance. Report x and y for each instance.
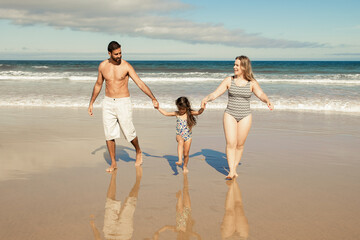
(40, 67)
(302, 105)
(312, 81)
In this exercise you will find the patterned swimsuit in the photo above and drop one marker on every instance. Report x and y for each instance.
(182, 129)
(239, 100)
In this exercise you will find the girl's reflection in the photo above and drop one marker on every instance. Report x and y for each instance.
(184, 221)
(235, 224)
(118, 220)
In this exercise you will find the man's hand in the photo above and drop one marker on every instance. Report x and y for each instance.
(155, 103)
(90, 110)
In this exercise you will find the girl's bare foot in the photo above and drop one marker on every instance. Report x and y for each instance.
(179, 163)
(186, 170)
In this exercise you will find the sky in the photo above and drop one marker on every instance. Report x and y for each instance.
(180, 29)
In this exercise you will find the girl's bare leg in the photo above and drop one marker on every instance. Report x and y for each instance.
(180, 149)
(243, 128)
(230, 129)
(187, 145)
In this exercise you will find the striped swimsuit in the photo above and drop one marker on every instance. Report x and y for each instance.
(238, 100)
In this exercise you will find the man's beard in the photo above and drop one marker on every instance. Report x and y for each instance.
(118, 60)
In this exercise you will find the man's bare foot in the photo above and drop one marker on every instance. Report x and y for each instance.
(186, 170)
(139, 160)
(178, 163)
(111, 168)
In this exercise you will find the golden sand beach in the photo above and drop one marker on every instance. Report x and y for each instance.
(298, 179)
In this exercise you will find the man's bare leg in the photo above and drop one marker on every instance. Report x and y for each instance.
(135, 143)
(111, 148)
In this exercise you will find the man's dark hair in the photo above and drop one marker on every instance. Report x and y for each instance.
(113, 45)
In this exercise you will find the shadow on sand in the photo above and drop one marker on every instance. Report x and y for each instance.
(215, 159)
(121, 154)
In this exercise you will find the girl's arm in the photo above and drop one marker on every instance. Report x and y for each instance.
(259, 93)
(200, 111)
(224, 85)
(165, 113)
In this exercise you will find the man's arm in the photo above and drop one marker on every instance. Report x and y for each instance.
(142, 85)
(96, 90)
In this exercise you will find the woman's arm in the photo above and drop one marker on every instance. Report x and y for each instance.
(259, 93)
(165, 113)
(224, 85)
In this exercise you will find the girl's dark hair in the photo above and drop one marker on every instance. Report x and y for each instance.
(183, 102)
(113, 45)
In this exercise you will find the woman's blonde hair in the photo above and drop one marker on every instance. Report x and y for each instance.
(245, 65)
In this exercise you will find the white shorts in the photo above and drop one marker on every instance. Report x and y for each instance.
(117, 116)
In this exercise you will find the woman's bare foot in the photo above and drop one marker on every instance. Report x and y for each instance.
(178, 163)
(230, 176)
(139, 160)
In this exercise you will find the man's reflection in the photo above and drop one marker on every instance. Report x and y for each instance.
(235, 224)
(118, 220)
(184, 221)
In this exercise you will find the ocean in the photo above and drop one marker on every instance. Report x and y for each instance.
(317, 86)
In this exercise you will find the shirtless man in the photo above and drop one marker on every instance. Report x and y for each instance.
(117, 109)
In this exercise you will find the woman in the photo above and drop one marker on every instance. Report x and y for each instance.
(237, 116)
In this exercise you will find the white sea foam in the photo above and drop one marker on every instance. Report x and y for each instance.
(40, 67)
(312, 81)
(82, 78)
(182, 79)
(302, 105)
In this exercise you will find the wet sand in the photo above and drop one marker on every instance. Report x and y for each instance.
(299, 177)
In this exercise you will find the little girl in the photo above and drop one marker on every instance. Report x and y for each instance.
(185, 120)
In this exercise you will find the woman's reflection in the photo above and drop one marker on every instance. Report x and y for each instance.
(118, 220)
(184, 221)
(235, 224)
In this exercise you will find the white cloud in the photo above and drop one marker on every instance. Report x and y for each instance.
(149, 18)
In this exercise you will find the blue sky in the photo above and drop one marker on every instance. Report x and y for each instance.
(180, 30)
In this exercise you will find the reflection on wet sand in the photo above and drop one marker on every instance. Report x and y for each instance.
(118, 220)
(235, 224)
(184, 221)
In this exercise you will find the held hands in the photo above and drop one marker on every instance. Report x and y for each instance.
(90, 110)
(270, 105)
(155, 103)
(203, 103)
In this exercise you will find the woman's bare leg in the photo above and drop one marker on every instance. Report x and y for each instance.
(230, 129)
(243, 128)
